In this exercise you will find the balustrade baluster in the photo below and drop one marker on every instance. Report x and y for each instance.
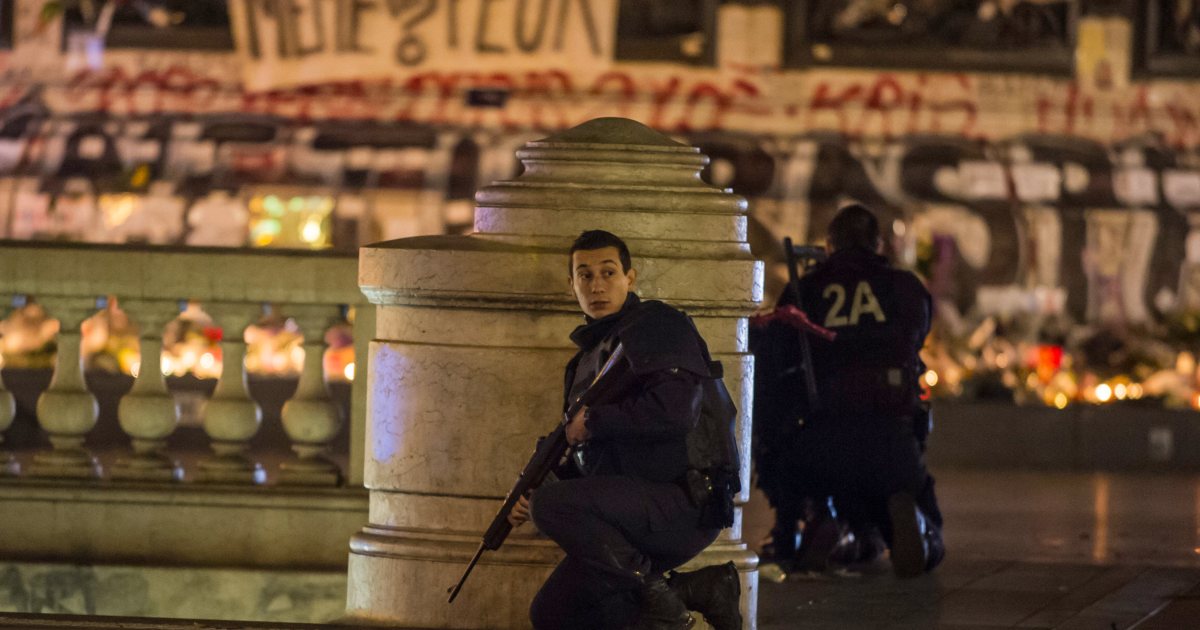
(67, 411)
(310, 418)
(232, 417)
(148, 413)
(9, 466)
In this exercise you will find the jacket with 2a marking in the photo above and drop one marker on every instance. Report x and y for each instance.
(881, 316)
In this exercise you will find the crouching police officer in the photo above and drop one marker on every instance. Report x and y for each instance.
(864, 440)
(620, 509)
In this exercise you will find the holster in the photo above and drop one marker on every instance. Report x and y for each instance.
(712, 493)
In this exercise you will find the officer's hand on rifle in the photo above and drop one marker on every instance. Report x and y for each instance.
(520, 512)
(577, 432)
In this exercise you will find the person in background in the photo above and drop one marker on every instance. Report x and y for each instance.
(862, 443)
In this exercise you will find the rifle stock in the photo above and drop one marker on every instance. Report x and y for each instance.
(549, 452)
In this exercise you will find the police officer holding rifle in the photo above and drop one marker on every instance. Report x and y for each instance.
(631, 501)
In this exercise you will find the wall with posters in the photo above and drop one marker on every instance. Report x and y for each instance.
(378, 120)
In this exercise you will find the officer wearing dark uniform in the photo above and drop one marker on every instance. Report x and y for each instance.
(862, 442)
(620, 509)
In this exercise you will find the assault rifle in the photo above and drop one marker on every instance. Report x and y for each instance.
(549, 453)
(800, 258)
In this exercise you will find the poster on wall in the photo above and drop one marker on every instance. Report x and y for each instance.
(284, 43)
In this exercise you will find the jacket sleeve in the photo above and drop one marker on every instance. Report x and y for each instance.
(667, 405)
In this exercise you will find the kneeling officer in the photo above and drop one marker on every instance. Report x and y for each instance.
(621, 509)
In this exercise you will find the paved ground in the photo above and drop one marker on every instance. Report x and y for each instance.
(1025, 550)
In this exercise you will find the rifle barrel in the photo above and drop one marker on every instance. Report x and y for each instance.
(463, 580)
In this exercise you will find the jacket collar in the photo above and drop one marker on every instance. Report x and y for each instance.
(595, 330)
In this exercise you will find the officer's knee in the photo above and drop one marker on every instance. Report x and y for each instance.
(550, 506)
(540, 614)
(557, 507)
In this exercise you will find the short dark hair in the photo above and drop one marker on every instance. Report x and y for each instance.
(854, 226)
(599, 239)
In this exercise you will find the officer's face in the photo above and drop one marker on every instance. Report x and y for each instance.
(600, 284)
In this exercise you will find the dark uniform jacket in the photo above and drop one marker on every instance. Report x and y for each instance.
(881, 316)
(643, 431)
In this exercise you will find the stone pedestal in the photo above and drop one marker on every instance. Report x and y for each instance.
(471, 339)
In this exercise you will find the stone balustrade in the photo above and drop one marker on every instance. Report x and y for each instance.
(233, 286)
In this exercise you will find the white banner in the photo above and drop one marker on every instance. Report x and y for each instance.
(296, 42)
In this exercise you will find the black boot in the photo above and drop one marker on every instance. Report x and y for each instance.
(859, 549)
(821, 535)
(781, 549)
(935, 549)
(714, 592)
(910, 544)
(661, 608)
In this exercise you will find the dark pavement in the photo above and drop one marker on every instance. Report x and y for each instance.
(1025, 550)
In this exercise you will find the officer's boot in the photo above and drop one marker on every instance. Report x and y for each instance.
(778, 554)
(935, 549)
(916, 543)
(927, 503)
(714, 592)
(781, 549)
(821, 535)
(661, 608)
(859, 547)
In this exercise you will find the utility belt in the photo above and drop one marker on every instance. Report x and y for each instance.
(878, 391)
(916, 420)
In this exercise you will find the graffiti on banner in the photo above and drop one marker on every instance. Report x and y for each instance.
(294, 42)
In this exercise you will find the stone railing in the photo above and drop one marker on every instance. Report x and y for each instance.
(233, 286)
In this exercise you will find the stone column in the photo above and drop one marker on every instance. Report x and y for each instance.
(67, 411)
(310, 418)
(231, 416)
(148, 413)
(470, 343)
